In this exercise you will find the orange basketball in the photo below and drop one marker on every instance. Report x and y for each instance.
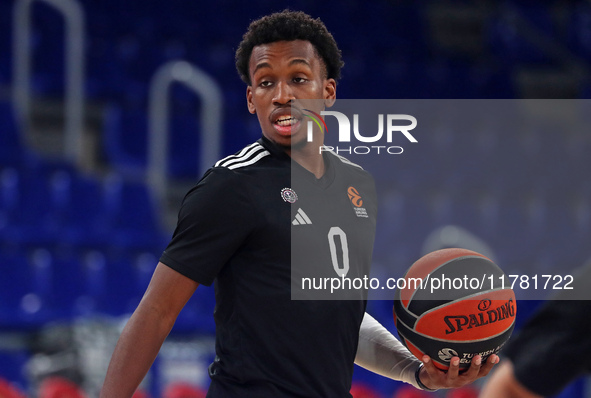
(455, 302)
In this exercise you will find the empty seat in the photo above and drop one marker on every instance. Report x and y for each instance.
(125, 136)
(11, 149)
(25, 290)
(132, 215)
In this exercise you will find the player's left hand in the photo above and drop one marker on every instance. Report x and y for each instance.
(435, 379)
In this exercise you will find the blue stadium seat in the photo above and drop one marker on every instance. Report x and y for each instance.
(37, 196)
(13, 362)
(10, 180)
(25, 290)
(50, 284)
(48, 50)
(125, 139)
(27, 223)
(132, 215)
(68, 284)
(197, 315)
(117, 280)
(11, 146)
(184, 146)
(115, 292)
(84, 222)
(13, 286)
(5, 42)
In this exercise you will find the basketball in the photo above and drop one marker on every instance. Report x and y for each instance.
(454, 302)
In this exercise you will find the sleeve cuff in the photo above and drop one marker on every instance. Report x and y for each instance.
(419, 382)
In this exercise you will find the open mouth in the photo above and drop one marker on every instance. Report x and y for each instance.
(285, 121)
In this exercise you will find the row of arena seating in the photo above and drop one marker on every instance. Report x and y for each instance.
(41, 285)
(85, 211)
(126, 44)
(70, 257)
(50, 207)
(530, 226)
(495, 146)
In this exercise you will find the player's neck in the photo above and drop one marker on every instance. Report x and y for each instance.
(311, 160)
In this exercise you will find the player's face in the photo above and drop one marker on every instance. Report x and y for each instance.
(280, 72)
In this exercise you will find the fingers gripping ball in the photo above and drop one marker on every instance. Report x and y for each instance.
(455, 302)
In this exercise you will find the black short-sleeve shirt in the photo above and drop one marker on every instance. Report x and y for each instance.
(235, 229)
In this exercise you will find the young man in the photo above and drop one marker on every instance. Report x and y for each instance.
(235, 229)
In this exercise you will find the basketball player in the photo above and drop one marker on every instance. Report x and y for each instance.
(234, 230)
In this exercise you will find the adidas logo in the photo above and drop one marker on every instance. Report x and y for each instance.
(301, 218)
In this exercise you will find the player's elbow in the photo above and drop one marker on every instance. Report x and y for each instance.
(159, 314)
(165, 297)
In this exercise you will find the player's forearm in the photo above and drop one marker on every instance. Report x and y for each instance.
(135, 352)
(380, 352)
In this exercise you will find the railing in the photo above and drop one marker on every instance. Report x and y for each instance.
(74, 71)
(210, 118)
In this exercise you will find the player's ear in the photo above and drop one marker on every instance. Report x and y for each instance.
(330, 92)
(249, 103)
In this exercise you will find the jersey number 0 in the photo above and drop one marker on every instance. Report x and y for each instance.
(333, 234)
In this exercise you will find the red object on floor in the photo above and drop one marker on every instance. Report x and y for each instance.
(9, 390)
(183, 390)
(464, 392)
(360, 390)
(410, 392)
(140, 394)
(59, 387)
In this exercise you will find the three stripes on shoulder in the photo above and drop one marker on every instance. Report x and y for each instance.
(247, 156)
(254, 152)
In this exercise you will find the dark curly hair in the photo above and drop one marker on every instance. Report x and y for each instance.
(289, 25)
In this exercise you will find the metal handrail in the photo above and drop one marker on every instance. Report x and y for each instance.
(210, 117)
(74, 71)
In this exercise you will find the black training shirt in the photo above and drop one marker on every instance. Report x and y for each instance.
(242, 226)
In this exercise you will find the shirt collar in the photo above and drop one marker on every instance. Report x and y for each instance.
(273, 148)
(279, 153)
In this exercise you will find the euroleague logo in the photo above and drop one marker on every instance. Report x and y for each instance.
(446, 354)
(355, 197)
(357, 202)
